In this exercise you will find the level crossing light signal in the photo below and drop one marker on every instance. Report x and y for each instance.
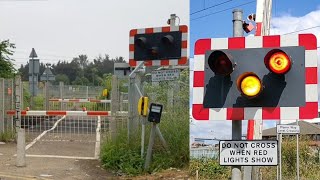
(252, 77)
(160, 46)
(155, 46)
(269, 77)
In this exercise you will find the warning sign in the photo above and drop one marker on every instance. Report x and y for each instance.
(165, 75)
(248, 153)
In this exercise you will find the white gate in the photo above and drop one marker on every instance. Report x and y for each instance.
(64, 134)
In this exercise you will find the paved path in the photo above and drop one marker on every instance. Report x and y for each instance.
(48, 168)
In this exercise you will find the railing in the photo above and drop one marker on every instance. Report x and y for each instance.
(204, 152)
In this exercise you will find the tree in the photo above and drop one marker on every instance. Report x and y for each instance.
(119, 59)
(62, 77)
(6, 66)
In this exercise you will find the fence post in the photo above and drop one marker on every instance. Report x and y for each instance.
(61, 87)
(135, 122)
(21, 92)
(114, 107)
(21, 144)
(121, 101)
(87, 92)
(131, 110)
(2, 99)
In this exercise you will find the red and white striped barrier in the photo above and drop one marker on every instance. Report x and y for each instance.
(81, 100)
(60, 113)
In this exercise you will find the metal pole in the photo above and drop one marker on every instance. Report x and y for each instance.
(131, 101)
(143, 130)
(32, 93)
(47, 89)
(237, 125)
(298, 165)
(87, 92)
(61, 86)
(21, 144)
(150, 146)
(280, 154)
(163, 141)
(2, 128)
(114, 107)
(172, 84)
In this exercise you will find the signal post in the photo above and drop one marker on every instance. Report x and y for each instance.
(156, 46)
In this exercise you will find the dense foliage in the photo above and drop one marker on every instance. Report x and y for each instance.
(6, 63)
(80, 71)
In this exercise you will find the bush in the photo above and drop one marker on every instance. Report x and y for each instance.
(208, 169)
(7, 136)
(118, 155)
(308, 161)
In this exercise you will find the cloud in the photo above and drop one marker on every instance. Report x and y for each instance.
(290, 24)
(309, 23)
(214, 129)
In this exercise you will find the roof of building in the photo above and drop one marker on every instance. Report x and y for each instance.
(306, 128)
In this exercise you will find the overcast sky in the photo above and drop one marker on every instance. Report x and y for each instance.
(63, 29)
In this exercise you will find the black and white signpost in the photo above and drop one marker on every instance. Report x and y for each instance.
(288, 129)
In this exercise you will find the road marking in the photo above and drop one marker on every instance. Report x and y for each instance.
(23, 177)
(53, 156)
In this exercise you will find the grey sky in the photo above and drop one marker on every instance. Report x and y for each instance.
(62, 29)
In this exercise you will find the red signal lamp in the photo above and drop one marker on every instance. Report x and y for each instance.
(278, 62)
(249, 84)
(221, 63)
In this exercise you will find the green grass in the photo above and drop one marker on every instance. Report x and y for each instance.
(208, 169)
(7, 136)
(121, 157)
(309, 162)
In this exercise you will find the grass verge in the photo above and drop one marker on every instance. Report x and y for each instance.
(126, 158)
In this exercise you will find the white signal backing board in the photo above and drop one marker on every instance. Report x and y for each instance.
(248, 153)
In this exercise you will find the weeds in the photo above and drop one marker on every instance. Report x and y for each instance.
(7, 136)
(118, 155)
(308, 161)
(208, 169)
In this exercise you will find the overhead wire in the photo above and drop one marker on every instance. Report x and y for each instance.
(302, 30)
(215, 5)
(223, 10)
